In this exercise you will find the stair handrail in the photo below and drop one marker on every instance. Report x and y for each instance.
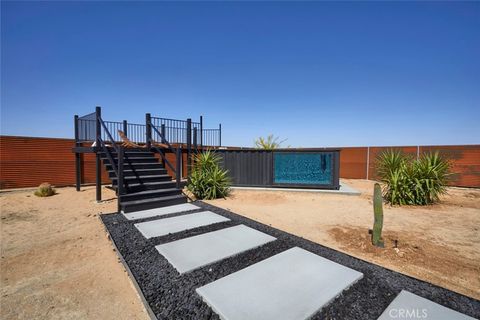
(117, 168)
(178, 154)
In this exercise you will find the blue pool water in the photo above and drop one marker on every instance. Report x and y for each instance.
(307, 168)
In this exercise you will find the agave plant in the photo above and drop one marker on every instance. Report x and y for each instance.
(269, 143)
(412, 182)
(207, 180)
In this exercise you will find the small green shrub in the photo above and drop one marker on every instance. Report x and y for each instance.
(208, 181)
(45, 190)
(412, 182)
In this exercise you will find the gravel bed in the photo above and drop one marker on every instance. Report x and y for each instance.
(172, 296)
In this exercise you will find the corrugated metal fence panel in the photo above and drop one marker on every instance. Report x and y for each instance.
(465, 162)
(248, 168)
(27, 162)
(353, 163)
(376, 151)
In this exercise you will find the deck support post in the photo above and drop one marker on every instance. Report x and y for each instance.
(78, 163)
(98, 161)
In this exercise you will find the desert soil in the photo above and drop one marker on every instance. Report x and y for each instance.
(57, 262)
(439, 243)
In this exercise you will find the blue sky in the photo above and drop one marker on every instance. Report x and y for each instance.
(317, 73)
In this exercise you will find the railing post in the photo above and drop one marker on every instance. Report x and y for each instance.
(219, 134)
(125, 127)
(201, 132)
(178, 167)
(98, 161)
(148, 130)
(98, 126)
(78, 161)
(120, 190)
(189, 144)
(162, 131)
(195, 140)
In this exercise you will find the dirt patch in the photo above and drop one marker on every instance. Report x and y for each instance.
(438, 243)
(57, 262)
(409, 253)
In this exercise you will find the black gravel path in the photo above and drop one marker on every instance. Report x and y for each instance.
(172, 296)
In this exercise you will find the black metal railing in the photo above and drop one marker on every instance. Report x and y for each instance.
(136, 132)
(173, 130)
(105, 138)
(118, 165)
(85, 127)
(152, 143)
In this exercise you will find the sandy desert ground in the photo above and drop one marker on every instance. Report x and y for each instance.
(438, 243)
(57, 263)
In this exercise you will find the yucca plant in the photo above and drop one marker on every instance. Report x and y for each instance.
(412, 182)
(208, 181)
(269, 143)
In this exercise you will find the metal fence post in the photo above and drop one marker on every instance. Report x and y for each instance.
(98, 161)
(162, 130)
(148, 130)
(178, 167)
(368, 160)
(201, 132)
(189, 144)
(78, 163)
(125, 127)
(219, 134)
(195, 140)
(120, 190)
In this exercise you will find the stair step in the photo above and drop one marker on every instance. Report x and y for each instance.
(137, 165)
(149, 194)
(141, 179)
(133, 160)
(145, 204)
(139, 172)
(128, 154)
(136, 187)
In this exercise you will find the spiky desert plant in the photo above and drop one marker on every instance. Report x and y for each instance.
(45, 190)
(208, 181)
(269, 143)
(378, 216)
(412, 182)
(430, 178)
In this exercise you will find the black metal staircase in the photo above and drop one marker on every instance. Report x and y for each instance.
(146, 183)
